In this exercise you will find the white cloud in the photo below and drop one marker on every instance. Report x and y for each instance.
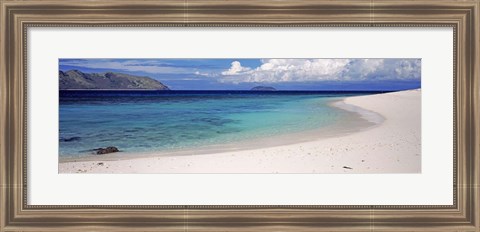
(362, 68)
(301, 70)
(284, 70)
(406, 69)
(235, 69)
(206, 74)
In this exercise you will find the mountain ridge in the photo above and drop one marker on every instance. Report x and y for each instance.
(78, 80)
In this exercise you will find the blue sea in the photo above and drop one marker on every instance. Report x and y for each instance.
(147, 121)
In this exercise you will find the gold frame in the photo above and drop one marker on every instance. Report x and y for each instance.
(16, 16)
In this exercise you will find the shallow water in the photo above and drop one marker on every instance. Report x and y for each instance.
(145, 121)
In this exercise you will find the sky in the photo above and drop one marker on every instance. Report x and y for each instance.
(282, 74)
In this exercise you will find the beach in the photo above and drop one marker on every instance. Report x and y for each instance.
(389, 143)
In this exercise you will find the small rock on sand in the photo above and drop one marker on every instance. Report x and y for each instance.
(102, 151)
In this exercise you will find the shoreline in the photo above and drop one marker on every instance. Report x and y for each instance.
(359, 119)
(309, 152)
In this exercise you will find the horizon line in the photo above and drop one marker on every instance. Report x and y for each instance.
(238, 90)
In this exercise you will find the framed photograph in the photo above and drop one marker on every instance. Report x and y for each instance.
(219, 115)
(239, 115)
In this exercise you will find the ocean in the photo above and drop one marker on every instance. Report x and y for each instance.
(150, 121)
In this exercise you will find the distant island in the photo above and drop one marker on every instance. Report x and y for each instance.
(263, 88)
(75, 79)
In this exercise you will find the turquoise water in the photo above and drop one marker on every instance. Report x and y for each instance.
(147, 121)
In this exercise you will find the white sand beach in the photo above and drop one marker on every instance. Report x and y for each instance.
(391, 146)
